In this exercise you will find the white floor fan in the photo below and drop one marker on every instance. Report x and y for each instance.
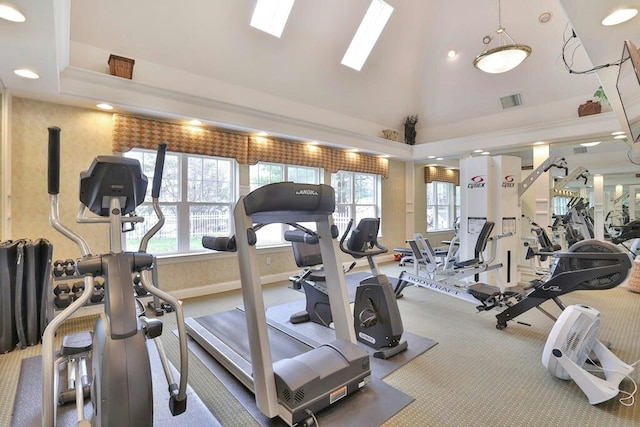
(573, 337)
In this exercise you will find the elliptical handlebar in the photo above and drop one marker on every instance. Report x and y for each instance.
(155, 197)
(54, 160)
(157, 174)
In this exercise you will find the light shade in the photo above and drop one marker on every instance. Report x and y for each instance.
(502, 58)
(506, 56)
(11, 13)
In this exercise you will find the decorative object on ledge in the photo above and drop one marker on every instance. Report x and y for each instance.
(410, 130)
(391, 134)
(120, 66)
(588, 108)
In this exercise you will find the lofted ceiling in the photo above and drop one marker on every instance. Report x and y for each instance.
(201, 59)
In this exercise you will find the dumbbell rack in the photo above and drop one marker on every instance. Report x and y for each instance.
(89, 309)
(70, 280)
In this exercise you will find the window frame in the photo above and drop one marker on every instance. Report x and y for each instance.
(183, 205)
(452, 207)
(353, 205)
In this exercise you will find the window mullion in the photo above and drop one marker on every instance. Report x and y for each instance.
(183, 206)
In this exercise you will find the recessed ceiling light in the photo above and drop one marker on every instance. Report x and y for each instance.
(27, 74)
(452, 54)
(10, 13)
(619, 16)
(590, 144)
(618, 132)
(485, 153)
(367, 34)
(271, 16)
(195, 122)
(545, 17)
(479, 150)
(620, 137)
(104, 106)
(431, 157)
(440, 158)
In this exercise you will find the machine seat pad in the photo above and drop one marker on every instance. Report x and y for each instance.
(466, 263)
(482, 291)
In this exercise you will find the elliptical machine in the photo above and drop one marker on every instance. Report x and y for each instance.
(120, 375)
(376, 315)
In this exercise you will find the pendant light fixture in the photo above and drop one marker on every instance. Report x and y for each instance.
(506, 56)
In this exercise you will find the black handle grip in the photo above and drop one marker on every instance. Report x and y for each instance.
(54, 160)
(157, 173)
(225, 244)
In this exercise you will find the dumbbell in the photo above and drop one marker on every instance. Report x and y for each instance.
(58, 268)
(77, 289)
(62, 297)
(69, 267)
(137, 286)
(97, 295)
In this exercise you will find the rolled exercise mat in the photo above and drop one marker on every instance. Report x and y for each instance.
(8, 264)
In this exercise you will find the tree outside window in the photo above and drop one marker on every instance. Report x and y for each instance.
(196, 197)
(357, 197)
(443, 205)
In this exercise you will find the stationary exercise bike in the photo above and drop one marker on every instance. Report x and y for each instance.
(376, 315)
(306, 253)
(120, 372)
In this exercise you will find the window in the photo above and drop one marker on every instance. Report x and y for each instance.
(443, 205)
(357, 197)
(196, 197)
(268, 173)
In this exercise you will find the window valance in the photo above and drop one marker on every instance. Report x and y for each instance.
(437, 173)
(135, 132)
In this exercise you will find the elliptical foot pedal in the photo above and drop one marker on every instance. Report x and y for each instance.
(79, 342)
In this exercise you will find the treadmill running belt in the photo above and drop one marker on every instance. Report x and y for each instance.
(231, 328)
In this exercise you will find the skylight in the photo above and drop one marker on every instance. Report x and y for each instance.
(367, 35)
(271, 16)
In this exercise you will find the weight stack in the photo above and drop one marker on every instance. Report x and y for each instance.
(633, 283)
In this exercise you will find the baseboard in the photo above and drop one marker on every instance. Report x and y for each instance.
(232, 285)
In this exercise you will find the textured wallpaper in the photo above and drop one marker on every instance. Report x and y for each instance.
(86, 134)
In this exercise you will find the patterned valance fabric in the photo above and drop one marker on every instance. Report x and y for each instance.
(332, 160)
(437, 173)
(134, 132)
(358, 162)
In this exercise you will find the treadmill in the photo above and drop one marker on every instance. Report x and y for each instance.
(292, 377)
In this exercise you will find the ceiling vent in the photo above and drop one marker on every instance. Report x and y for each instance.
(511, 101)
(579, 150)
